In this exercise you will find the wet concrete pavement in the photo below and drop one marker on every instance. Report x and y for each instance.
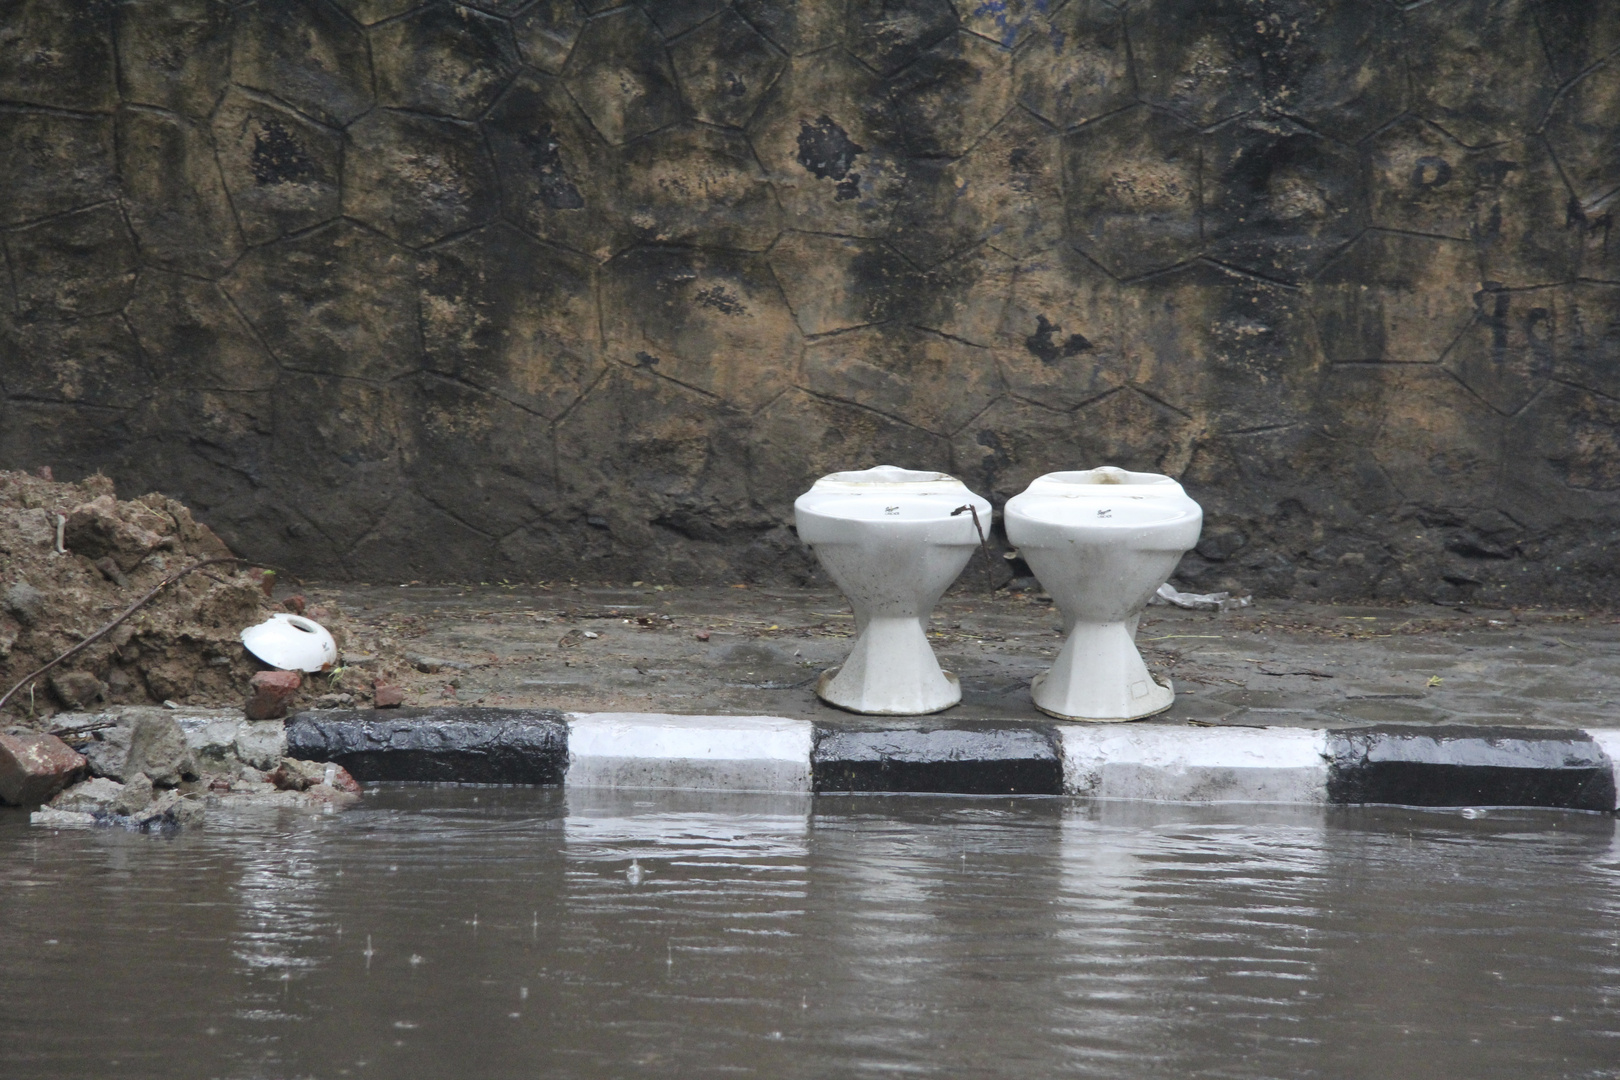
(638, 648)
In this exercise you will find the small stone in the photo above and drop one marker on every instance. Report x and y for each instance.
(213, 745)
(334, 701)
(94, 796)
(108, 752)
(35, 767)
(24, 602)
(273, 691)
(261, 743)
(135, 796)
(168, 812)
(61, 819)
(387, 695)
(77, 689)
(295, 604)
(157, 747)
(702, 635)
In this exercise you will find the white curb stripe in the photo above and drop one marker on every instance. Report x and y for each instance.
(1161, 763)
(706, 753)
(1608, 740)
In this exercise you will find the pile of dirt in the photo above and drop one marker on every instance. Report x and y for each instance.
(73, 556)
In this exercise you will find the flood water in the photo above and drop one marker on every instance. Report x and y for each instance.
(489, 932)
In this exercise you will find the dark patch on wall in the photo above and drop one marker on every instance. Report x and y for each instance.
(828, 153)
(556, 190)
(1049, 347)
(278, 158)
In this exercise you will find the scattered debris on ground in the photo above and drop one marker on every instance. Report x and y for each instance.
(73, 557)
(154, 770)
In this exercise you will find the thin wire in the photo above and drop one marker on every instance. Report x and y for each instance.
(989, 578)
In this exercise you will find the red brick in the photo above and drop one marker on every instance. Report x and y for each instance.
(272, 692)
(33, 768)
(387, 695)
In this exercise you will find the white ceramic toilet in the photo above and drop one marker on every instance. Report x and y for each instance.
(892, 540)
(1101, 542)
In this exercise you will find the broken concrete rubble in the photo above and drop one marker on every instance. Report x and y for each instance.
(272, 692)
(33, 767)
(157, 770)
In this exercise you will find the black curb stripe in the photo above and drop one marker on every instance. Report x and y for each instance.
(467, 745)
(1469, 766)
(946, 761)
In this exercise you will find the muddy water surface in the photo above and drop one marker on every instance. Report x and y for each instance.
(486, 933)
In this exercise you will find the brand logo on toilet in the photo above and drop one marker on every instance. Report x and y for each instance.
(1105, 513)
(892, 510)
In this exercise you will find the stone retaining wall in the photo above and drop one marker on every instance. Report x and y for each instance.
(534, 289)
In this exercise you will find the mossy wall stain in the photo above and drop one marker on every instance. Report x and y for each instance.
(536, 290)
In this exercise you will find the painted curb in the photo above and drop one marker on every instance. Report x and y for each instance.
(700, 753)
(1453, 765)
(955, 761)
(444, 744)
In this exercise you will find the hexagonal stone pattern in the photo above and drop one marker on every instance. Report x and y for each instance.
(952, 95)
(338, 301)
(305, 53)
(417, 179)
(1075, 65)
(336, 450)
(1480, 70)
(1258, 359)
(512, 317)
(714, 321)
(1337, 67)
(553, 288)
(933, 382)
(837, 283)
(173, 54)
(54, 163)
(886, 35)
(725, 67)
(1421, 180)
(1587, 350)
(1439, 444)
(1584, 133)
(91, 361)
(58, 55)
(1131, 183)
(794, 27)
(1198, 58)
(444, 59)
(174, 193)
(510, 475)
(829, 146)
(195, 337)
(697, 185)
(283, 171)
(72, 266)
(556, 174)
(800, 437)
(1507, 354)
(1060, 341)
(647, 464)
(1395, 298)
(1523, 224)
(1277, 199)
(546, 33)
(964, 297)
(621, 76)
(1013, 442)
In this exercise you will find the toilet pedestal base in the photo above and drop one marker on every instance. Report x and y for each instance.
(891, 671)
(1099, 676)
